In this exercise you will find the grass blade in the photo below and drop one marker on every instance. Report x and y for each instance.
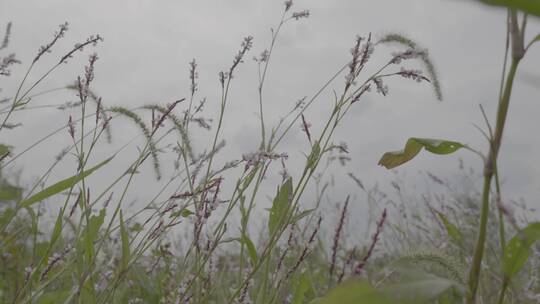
(61, 185)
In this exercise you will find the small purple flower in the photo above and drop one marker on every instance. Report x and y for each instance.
(412, 53)
(412, 74)
(381, 87)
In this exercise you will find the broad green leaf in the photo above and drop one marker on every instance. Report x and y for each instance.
(92, 230)
(451, 229)
(61, 185)
(414, 146)
(528, 6)
(280, 206)
(517, 250)
(252, 251)
(354, 292)
(125, 243)
(314, 155)
(301, 288)
(9, 192)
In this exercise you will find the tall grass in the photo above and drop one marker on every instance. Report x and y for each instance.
(99, 249)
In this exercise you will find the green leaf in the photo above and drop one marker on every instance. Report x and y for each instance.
(6, 215)
(421, 289)
(354, 292)
(137, 227)
(517, 250)
(280, 206)
(125, 243)
(536, 39)
(527, 6)
(183, 213)
(302, 286)
(186, 212)
(92, 230)
(9, 192)
(57, 227)
(4, 149)
(314, 155)
(302, 215)
(252, 251)
(451, 229)
(61, 185)
(414, 146)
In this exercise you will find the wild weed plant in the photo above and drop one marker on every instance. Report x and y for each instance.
(99, 250)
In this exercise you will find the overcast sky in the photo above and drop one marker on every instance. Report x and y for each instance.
(148, 45)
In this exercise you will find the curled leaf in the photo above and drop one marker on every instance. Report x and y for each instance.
(413, 146)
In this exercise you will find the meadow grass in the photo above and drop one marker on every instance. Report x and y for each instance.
(424, 248)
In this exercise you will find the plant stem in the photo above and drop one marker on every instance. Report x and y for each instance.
(489, 170)
(503, 292)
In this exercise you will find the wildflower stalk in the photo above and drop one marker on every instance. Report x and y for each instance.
(19, 97)
(341, 107)
(265, 58)
(490, 165)
(262, 77)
